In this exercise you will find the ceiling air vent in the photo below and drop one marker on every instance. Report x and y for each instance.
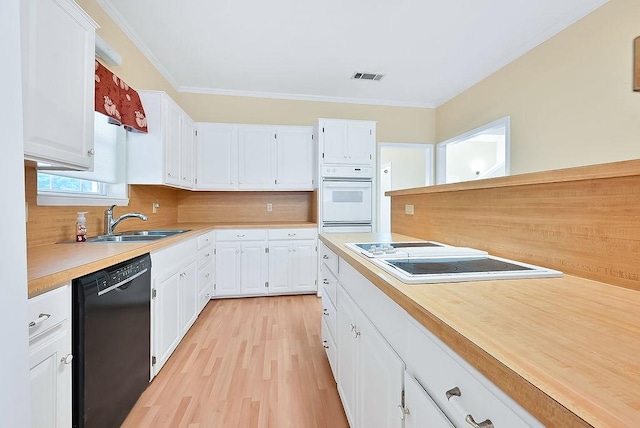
(367, 76)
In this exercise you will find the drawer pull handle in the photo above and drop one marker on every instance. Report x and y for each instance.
(41, 318)
(325, 312)
(455, 392)
(240, 235)
(67, 359)
(325, 281)
(324, 344)
(291, 234)
(325, 257)
(207, 275)
(207, 255)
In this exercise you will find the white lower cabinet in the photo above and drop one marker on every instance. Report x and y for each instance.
(227, 280)
(174, 304)
(50, 358)
(376, 339)
(292, 261)
(419, 409)
(370, 373)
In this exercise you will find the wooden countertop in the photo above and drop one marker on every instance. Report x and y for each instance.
(50, 266)
(567, 349)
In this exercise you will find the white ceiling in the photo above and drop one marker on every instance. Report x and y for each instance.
(429, 50)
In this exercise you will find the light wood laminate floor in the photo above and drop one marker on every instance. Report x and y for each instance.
(253, 362)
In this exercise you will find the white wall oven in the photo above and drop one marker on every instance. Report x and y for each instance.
(346, 200)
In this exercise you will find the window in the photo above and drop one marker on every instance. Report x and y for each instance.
(105, 185)
(477, 154)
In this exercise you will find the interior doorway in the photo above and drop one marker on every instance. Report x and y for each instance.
(401, 166)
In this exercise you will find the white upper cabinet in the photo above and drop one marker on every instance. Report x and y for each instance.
(165, 154)
(346, 142)
(58, 57)
(295, 158)
(254, 157)
(216, 156)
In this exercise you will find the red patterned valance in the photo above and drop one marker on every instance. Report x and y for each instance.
(118, 101)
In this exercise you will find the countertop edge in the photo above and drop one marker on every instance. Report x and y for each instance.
(533, 399)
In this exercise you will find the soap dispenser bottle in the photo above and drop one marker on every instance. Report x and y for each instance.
(81, 227)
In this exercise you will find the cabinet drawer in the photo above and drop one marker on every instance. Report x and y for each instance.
(300, 233)
(330, 347)
(329, 283)
(241, 235)
(205, 276)
(329, 258)
(329, 314)
(206, 239)
(205, 256)
(439, 369)
(49, 309)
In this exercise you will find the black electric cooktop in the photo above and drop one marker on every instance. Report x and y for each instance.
(422, 266)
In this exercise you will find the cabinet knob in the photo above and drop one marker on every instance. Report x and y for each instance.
(325, 345)
(66, 359)
(184, 178)
(325, 257)
(91, 152)
(41, 318)
(207, 275)
(169, 174)
(207, 255)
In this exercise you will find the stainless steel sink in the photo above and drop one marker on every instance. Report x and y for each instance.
(137, 236)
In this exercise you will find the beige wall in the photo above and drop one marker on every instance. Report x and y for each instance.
(394, 123)
(570, 99)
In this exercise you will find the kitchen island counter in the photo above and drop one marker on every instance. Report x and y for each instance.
(566, 349)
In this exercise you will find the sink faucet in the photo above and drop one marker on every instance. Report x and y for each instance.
(110, 223)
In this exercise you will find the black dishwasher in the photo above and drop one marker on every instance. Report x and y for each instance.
(111, 342)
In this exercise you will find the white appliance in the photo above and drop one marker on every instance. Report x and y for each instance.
(346, 199)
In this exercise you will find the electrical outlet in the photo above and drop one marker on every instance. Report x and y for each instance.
(269, 207)
(156, 205)
(408, 209)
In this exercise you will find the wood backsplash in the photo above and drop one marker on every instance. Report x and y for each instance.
(585, 227)
(49, 224)
(229, 207)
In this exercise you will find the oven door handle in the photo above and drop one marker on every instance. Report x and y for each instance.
(347, 184)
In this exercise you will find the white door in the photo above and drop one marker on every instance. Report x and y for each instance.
(168, 331)
(334, 142)
(304, 265)
(189, 295)
(380, 379)
(51, 381)
(361, 143)
(187, 150)
(58, 82)
(279, 266)
(294, 158)
(172, 143)
(348, 355)
(254, 268)
(256, 145)
(217, 156)
(227, 269)
(422, 411)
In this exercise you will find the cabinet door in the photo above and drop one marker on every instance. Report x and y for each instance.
(294, 158)
(347, 344)
(256, 156)
(380, 379)
(50, 380)
(304, 265)
(168, 331)
(217, 156)
(421, 410)
(187, 149)
(280, 267)
(172, 144)
(227, 269)
(254, 268)
(58, 41)
(361, 143)
(189, 295)
(334, 142)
